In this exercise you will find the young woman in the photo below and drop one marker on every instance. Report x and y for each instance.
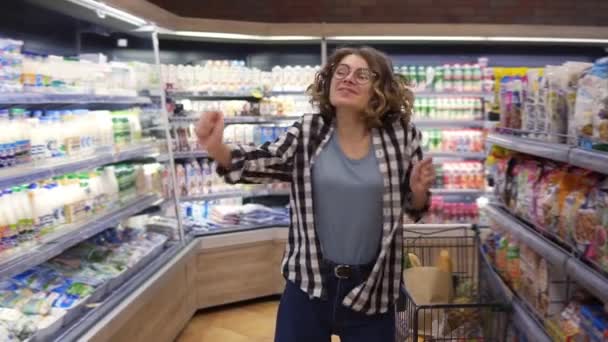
(355, 169)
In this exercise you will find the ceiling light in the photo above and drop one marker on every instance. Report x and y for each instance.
(408, 38)
(548, 40)
(239, 36)
(103, 10)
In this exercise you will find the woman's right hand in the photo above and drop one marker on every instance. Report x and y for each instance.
(210, 133)
(210, 130)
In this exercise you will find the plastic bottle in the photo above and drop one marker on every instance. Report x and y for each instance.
(21, 127)
(24, 212)
(6, 139)
(445, 262)
(9, 236)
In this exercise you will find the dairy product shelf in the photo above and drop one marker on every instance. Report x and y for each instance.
(34, 171)
(31, 98)
(65, 237)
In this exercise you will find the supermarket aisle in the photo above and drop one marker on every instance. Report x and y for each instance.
(251, 322)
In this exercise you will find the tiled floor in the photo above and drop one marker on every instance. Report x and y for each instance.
(253, 321)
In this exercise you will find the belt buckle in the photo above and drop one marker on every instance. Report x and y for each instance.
(342, 271)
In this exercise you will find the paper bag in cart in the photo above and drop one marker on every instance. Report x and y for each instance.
(426, 286)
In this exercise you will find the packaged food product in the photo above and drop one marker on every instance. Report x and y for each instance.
(600, 103)
(39, 304)
(80, 290)
(529, 109)
(513, 265)
(578, 184)
(575, 71)
(528, 176)
(556, 104)
(547, 206)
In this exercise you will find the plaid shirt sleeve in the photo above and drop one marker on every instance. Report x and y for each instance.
(268, 163)
(416, 156)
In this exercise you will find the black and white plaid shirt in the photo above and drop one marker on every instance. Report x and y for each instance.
(290, 159)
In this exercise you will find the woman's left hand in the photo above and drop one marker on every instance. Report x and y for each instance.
(422, 177)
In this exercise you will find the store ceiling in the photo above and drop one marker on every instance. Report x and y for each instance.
(530, 12)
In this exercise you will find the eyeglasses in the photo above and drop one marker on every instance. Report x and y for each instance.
(362, 75)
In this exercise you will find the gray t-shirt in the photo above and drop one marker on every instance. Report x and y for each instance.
(347, 196)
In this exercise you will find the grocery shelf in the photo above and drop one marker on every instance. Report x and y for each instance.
(522, 318)
(245, 119)
(558, 152)
(456, 155)
(457, 191)
(425, 93)
(102, 156)
(56, 242)
(256, 192)
(235, 229)
(211, 96)
(29, 98)
(286, 93)
(584, 275)
(587, 159)
(128, 292)
(190, 154)
(424, 123)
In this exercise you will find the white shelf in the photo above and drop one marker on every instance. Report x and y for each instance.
(65, 237)
(587, 159)
(522, 318)
(190, 155)
(581, 273)
(27, 98)
(591, 160)
(457, 191)
(256, 192)
(456, 155)
(236, 229)
(102, 156)
(424, 123)
(193, 118)
(212, 96)
(426, 93)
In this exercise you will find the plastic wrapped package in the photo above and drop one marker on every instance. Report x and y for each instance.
(556, 110)
(574, 73)
(531, 98)
(600, 110)
(591, 106)
(574, 190)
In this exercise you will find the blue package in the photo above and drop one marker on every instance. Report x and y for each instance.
(65, 301)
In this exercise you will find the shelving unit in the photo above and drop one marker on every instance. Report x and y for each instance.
(457, 191)
(483, 95)
(456, 155)
(254, 192)
(587, 159)
(522, 317)
(236, 229)
(190, 155)
(56, 242)
(193, 117)
(212, 96)
(436, 123)
(580, 272)
(32, 172)
(33, 99)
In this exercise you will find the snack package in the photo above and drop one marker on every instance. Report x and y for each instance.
(591, 232)
(556, 104)
(541, 108)
(546, 207)
(529, 265)
(531, 98)
(577, 185)
(600, 104)
(574, 71)
(39, 304)
(527, 177)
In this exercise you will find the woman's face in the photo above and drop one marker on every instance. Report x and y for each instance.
(351, 84)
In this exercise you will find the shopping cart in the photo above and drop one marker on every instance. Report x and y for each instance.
(479, 309)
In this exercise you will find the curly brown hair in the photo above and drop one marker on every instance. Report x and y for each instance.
(391, 99)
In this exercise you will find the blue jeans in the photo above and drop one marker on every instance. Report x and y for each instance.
(301, 319)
